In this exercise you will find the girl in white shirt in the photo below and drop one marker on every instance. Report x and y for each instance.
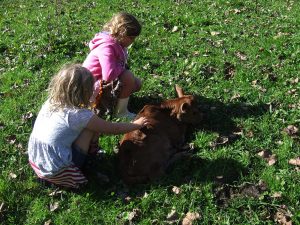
(65, 128)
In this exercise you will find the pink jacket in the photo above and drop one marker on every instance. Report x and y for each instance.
(107, 57)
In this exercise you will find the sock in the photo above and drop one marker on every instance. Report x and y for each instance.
(121, 108)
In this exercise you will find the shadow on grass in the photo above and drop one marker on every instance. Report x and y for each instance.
(188, 170)
(218, 118)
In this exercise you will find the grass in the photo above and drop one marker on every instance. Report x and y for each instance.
(241, 58)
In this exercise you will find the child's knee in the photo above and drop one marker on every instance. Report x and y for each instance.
(138, 84)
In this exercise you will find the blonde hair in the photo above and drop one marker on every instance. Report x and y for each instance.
(123, 24)
(71, 87)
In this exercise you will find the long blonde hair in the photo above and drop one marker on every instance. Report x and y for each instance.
(123, 24)
(71, 87)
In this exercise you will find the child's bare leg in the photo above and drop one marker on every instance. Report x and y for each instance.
(130, 84)
(85, 139)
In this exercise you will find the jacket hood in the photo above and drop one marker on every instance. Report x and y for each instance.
(100, 38)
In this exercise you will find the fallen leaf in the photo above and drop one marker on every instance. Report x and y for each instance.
(235, 96)
(127, 199)
(293, 92)
(214, 33)
(268, 157)
(175, 28)
(11, 139)
(27, 116)
(145, 195)
(190, 217)
(48, 222)
(12, 175)
(172, 217)
(134, 214)
(229, 70)
(176, 190)
(294, 81)
(283, 217)
(236, 11)
(291, 130)
(249, 134)
(56, 192)
(54, 206)
(272, 160)
(295, 162)
(241, 56)
(276, 195)
(1, 206)
(221, 140)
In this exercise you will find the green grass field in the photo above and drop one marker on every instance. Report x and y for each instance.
(242, 60)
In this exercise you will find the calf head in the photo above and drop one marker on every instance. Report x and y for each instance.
(184, 108)
(189, 111)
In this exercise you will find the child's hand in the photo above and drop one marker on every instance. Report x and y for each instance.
(142, 121)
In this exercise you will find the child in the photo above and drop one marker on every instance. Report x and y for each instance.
(107, 59)
(65, 129)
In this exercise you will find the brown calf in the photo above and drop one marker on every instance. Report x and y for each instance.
(145, 154)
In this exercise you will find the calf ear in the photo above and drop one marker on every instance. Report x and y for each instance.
(183, 108)
(179, 91)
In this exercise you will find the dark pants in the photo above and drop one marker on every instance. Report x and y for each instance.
(78, 157)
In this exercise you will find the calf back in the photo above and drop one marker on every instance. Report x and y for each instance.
(144, 154)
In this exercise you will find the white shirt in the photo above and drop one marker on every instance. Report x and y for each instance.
(50, 143)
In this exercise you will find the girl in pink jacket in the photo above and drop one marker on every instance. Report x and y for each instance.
(108, 58)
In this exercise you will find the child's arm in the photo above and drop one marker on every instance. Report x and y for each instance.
(99, 125)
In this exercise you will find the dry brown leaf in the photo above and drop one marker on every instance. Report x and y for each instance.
(176, 190)
(175, 28)
(54, 206)
(172, 217)
(221, 140)
(249, 134)
(229, 70)
(134, 214)
(11, 139)
(242, 56)
(295, 162)
(214, 33)
(277, 195)
(27, 116)
(48, 222)
(283, 217)
(291, 130)
(1, 206)
(145, 195)
(190, 217)
(268, 157)
(12, 175)
(235, 96)
(294, 81)
(272, 160)
(56, 192)
(293, 92)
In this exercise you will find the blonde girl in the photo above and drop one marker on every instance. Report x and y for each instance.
(65, 128)
(107, 59)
